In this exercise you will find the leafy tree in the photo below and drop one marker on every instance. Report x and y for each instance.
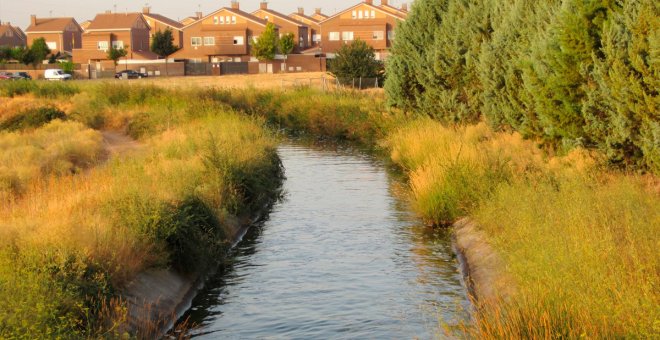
(265, 47)
(356, 60)
(24, 56)
(410, 54)
(5, 53)
(287, 43)
(39, 51)
(163, 43)
(68, 67)
(115, 54)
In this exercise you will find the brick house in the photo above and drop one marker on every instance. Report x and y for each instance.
(403, 11)
(286, 24)
(61, 34)
(363, 21)
(11, 36)
(223, 35)
(159, 22)
(314, 29)
(120, 30)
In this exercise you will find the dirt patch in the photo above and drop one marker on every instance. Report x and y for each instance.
(116, 143)
(483, 269)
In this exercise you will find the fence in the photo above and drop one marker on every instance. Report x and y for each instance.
(326, 84)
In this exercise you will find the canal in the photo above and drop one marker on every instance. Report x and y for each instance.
(341, 256)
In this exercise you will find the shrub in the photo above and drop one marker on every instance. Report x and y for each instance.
(356, 60)
(32, 118)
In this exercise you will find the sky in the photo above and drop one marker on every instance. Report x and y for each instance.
(18, 11)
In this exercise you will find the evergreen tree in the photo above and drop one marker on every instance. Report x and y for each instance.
(558, 74)
(265, 47)
(411, 55)
(505, 103)
(163, 43)
(621, 112)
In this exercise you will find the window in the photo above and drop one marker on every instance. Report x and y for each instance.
(238, 40)
(373, 14)
(333, 36)
(227, 20)
(118, 44)
(196, 41)
(215, 20)
(378, 35)
(390, 35)
(316, 38)
(354, 14)
(52, 45)
(222, 20)
(209, 41)
(266, 17)
(359, 14)
(102, 45)
(302, 42)
(233, 19)
(347, 36)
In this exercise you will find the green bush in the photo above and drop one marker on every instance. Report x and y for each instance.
(32, 119)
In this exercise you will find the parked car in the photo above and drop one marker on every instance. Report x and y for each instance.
(130, 74)
(23, 75)
(56, 74)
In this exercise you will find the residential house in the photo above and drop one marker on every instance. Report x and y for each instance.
(403, 11)
(159, 22)
(223, 35)
(364, 21)
(119, 30)
(318, 15)
(11, 36)
(314, 29)
(286, 24)
(62, 35)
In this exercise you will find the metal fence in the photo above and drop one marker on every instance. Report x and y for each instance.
(326, 84)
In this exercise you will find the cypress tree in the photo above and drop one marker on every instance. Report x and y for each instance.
(621, 112)
(557, 75)
(411, 54)
(516, 25)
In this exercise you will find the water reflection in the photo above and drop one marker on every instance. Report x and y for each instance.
(339, 257)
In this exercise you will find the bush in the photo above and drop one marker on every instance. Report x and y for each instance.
(32, 118)
(356, 60)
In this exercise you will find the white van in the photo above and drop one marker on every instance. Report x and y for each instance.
(56, 74)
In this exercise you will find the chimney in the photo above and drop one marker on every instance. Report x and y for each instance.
(301, 11)
(198, 15)
(404, 7)
(263, 5)
(33, 20)
(369, 2)
(317, 10)
(146, 10)
(384, 3)
(108, 11)
(235, 5)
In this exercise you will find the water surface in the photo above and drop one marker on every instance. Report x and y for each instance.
(339, 257)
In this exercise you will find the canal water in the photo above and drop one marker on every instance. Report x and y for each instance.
(339, 257)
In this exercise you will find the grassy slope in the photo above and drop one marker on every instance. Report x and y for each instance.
(70, 241)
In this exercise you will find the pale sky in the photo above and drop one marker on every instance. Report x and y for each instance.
(18, 11)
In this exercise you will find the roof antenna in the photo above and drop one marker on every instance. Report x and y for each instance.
(115, 7)
(50, 13)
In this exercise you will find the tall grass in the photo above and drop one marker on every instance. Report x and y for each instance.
(69, 244)
(59, 148)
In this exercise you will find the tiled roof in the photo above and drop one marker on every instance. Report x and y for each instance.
(49, 25)
(281, 16)
(189, 20)
(85, 24)
(397, 10)
(144, 55)
(296, 14)
(165, 20)
(247, 15)
(108, 21)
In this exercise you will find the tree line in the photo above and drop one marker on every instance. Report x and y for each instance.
(565, 72)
